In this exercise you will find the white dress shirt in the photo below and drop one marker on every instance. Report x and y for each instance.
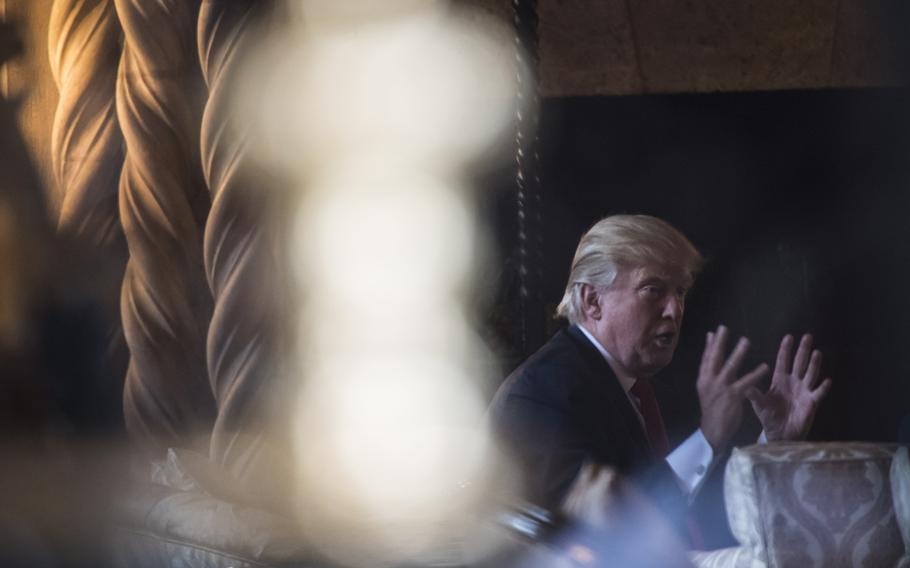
(690, 461)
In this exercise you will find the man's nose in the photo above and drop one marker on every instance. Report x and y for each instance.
(673, 308)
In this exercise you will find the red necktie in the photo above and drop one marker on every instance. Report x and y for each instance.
(660, 445)
(654, 423)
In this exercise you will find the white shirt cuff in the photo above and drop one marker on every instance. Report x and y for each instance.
(691, 461)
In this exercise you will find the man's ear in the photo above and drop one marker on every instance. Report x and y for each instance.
(590, 301)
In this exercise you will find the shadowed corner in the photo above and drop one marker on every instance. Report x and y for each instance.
(10, 43)
(20, 187)
(60, 446)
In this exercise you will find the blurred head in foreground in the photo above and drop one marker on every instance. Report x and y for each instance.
(607, 522)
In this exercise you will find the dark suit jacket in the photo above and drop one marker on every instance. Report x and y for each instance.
(563, 406)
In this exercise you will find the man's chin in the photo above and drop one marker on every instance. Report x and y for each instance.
(655, 364)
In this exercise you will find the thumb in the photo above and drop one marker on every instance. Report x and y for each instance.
(756, 396)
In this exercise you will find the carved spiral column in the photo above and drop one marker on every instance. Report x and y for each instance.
(86, 146)
(165, 301)
(238, 256)
(87, 155)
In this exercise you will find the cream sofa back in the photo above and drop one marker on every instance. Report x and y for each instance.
(815, 504)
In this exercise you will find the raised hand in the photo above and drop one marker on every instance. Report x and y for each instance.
(787, 410)
(721, 393)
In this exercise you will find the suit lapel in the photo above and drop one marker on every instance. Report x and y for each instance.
(623, 439)
(610, 407)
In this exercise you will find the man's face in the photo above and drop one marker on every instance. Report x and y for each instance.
(640, 317)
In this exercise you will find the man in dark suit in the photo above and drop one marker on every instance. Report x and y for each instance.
(586, 395)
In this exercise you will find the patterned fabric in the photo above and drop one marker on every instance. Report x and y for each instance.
(738, 557)
(804, 505)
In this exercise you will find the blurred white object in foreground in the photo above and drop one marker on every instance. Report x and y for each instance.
(413, 82)
(375, 109)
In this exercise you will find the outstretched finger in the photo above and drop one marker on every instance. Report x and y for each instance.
(750, 380)
(731, 366)
(705, 355)
(802, 355)
(819, 393)
(784, 355)
(814, 370)
(716, 351)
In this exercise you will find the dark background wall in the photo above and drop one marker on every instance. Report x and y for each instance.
(800, 200)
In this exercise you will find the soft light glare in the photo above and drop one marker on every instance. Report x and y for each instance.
(385, 443)
(421, 85)
(375, 108)
(380, 240)
(380, 434)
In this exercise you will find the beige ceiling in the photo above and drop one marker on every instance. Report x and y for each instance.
(594, 47)
(597, 47)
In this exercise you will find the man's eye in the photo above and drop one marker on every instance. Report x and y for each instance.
(651, 290)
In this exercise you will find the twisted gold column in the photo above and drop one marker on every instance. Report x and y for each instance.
(87, 155)
(165, 301)
(86, 146)
(238, 257)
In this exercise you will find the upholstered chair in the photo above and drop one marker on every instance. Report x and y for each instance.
(816, 505)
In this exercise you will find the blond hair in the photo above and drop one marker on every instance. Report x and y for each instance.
(628, 241)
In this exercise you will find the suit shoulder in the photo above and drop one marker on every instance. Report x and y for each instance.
(554, 375)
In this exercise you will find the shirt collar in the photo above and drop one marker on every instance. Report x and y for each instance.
(625, 380)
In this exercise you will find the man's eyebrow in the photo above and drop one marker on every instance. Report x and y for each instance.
(652, 280)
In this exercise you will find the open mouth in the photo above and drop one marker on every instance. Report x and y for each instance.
(665, 339)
